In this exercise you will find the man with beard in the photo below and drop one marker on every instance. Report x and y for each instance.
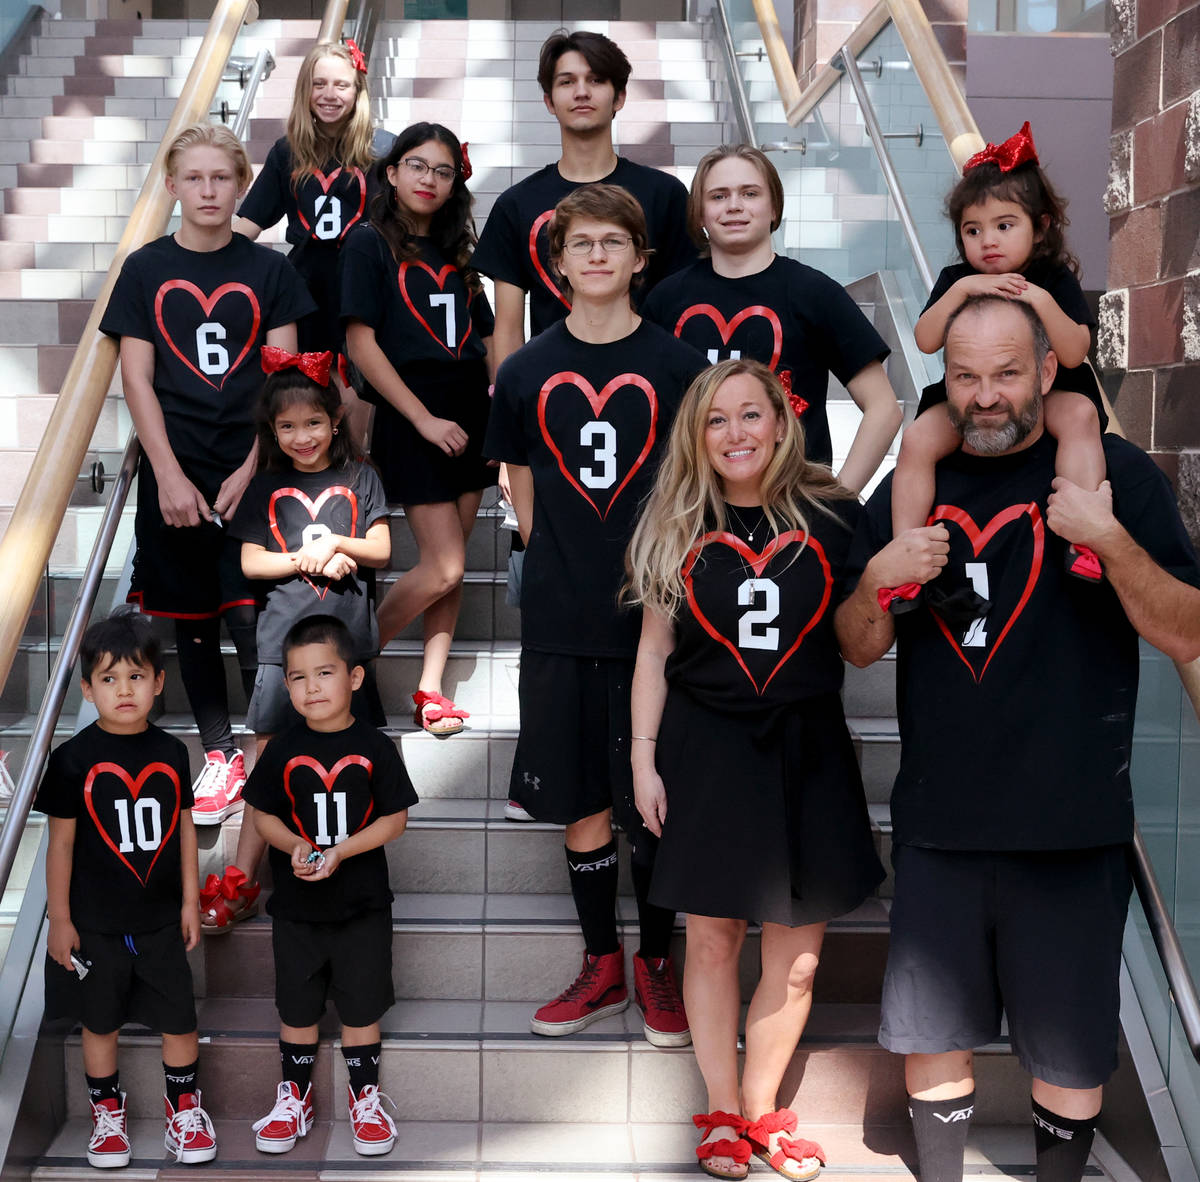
(1012, 809)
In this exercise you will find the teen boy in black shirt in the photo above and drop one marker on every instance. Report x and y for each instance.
(1012, 809)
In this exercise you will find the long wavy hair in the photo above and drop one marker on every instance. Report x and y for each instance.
(312, 146)
(452, 228)
(687, 500)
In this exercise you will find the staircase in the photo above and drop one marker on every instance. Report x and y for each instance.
(483, 921)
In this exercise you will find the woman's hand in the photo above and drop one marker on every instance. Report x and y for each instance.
(443, 433)
(651, 799)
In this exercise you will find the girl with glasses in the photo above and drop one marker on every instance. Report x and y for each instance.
(419, 328)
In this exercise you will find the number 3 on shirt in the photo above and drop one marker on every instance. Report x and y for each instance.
(747, 593)
(602, 438)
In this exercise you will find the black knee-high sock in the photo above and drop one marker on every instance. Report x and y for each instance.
(202, 671)
(103, 1087)
(243, 631)
(940, 1130)
(180, 1081)
(362, 1064)
(656, 922)
(594, 888)
(1062, 1144)
(296, 1060)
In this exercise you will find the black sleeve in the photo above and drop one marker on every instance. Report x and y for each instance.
(371, 497)
(183, 766)
(264, 204)
(249, 523)
(851, 342)
(291, 300)
(390, 785)
(482, 315)
(652, 309)
(264, 786)
(505, 440)
(362, 277)
(500, 249)
(58, 794)
(1068, 295)
(127, 314)
(871, 534)
(945, 281)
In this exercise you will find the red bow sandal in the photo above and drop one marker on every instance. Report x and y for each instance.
(225, 900)
(432, 708)
(790, 1157)
(738, 1150)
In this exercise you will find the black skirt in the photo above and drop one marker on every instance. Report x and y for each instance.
(766, 817)
(416, 472)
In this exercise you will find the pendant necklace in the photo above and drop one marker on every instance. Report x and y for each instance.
(739, 519)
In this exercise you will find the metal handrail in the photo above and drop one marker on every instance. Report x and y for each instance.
(264, 63)
(737, 86)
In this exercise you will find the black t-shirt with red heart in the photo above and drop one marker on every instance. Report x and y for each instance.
(590, 421)
(756, 633)
(281, 511)
(325, 787)
(207, 314)
(1016, 730)
(788, 316)
(125, 794)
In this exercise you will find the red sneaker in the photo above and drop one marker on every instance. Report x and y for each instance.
(656, 994)
(598, 991)
(190, 1135)
(218, 788)
(109, 1145)
(289, 1119)
(374, 1132)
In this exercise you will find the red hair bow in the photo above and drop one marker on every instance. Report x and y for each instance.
(1016, 150)
(466, 165)
(798, 405)
(356, 56)
(311, 365)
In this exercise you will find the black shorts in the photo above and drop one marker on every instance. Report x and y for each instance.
(142, 978)
(192, 572)
(572, 757)
(349, 963)
(1035, 935)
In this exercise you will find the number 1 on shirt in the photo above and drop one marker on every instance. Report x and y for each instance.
(975, 636)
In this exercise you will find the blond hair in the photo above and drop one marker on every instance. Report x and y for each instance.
(210, 135)
(760, 160)
(687, 500)
(312, 147)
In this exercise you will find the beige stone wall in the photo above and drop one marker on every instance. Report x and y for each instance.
(1150, 330)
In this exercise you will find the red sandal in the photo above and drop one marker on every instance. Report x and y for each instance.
(784, 1120)
(738, 1150)
(225, 900)
(443, 708)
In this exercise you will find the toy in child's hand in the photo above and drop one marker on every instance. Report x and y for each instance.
(316, 860)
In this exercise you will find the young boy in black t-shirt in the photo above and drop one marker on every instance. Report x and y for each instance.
(329, 794)
(122, 888)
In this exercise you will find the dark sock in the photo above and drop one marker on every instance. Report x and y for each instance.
(243, 631)
(363, 1065)
(940, 1130)
(297, 1062)
(104, 1087)
(180, 1081)
(594, 888)
(202, 671)
(656, 923)
(1062, 1144)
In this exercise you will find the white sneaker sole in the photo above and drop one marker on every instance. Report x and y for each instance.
(190, 1157)
(514, 812)
(558, 1029)
(373, 1148)
(660, 1038)
(216, 816)
(108, 1161)
(270, 1145)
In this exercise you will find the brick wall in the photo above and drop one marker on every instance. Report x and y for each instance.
(1150, 319)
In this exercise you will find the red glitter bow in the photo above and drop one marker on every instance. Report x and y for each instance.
(356, 56)
(466, 164)
(1016, 150)
(312, 365)
(798, 405)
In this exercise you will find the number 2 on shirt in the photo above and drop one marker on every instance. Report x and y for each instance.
(747, 593)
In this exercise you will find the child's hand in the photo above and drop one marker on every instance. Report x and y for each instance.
(443, 433)
(329, 863)
(301, 866)
(180, 502)
(189, 925)
(313, 556)
(63, 940)
(339, 566)
(1011, 286)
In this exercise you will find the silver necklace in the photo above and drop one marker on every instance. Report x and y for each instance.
(741, 521)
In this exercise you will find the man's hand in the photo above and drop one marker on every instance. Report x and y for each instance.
(62, 941)
(1083, 518)
(915, 556)
(180, 501)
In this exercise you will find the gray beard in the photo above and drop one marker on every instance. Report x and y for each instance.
(993, 441)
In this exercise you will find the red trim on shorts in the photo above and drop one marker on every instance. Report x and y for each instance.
(236, 603)
(135, 597)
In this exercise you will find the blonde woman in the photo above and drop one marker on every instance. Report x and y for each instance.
(741, 758)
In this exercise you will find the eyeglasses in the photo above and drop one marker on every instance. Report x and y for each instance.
(613, 244)
(419, 168)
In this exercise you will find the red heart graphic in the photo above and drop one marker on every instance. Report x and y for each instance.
(979, 539)
(536, 259)
(207, 304)
(328, 778)
(728, 328)
(134, 787)
(313, 507)
(757, 563)
(439, 277)
(597, 402)
(325, 182)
